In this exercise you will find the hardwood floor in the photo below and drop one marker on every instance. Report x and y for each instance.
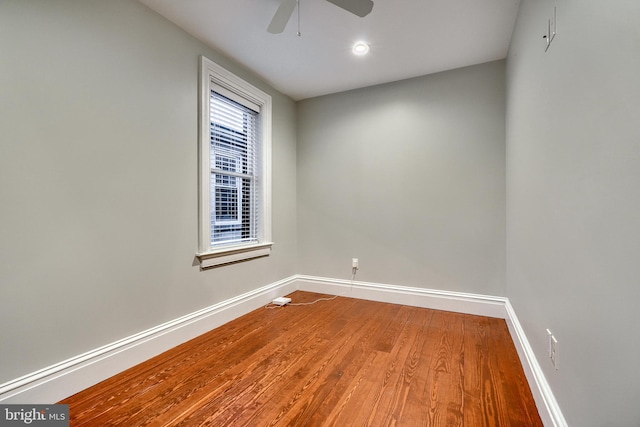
(343, 362)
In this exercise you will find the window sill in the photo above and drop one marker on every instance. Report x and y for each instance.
(230, 255)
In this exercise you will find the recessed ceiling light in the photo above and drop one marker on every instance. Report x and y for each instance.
(361, 48)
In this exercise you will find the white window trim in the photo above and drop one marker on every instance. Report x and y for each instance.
(213, 74)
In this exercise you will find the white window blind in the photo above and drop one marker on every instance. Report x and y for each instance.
(234, 181)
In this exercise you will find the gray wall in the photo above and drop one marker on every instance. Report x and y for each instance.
(573, 192)
(98, 180)
(409, 177)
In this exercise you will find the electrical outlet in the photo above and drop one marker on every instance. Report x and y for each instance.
(553, 349)
(554, 353)
(354, 263)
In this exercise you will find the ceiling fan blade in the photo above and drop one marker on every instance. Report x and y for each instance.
(360, 8)
(281, 18)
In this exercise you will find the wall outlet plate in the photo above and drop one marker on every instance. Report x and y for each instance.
(554, 353)
(281, 301)
(553, 349)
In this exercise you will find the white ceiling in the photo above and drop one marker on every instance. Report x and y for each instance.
(408, 38)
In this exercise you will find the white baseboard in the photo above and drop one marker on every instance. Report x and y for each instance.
(56, 382)
(459, 302)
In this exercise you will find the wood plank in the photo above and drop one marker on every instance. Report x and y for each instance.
(339, 362)
(442, 392)
(370, 382)
(393, 406)
(480, 407)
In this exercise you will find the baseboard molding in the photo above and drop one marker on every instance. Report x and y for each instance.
(66, 378)
(482, 305)
(56, 382)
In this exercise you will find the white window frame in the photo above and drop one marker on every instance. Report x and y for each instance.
(211, 74)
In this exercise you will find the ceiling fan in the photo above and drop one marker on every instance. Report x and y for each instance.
(360, 8)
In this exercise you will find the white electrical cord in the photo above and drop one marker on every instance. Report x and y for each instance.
(350, 291)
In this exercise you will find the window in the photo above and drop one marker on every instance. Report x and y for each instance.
(235, 168)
